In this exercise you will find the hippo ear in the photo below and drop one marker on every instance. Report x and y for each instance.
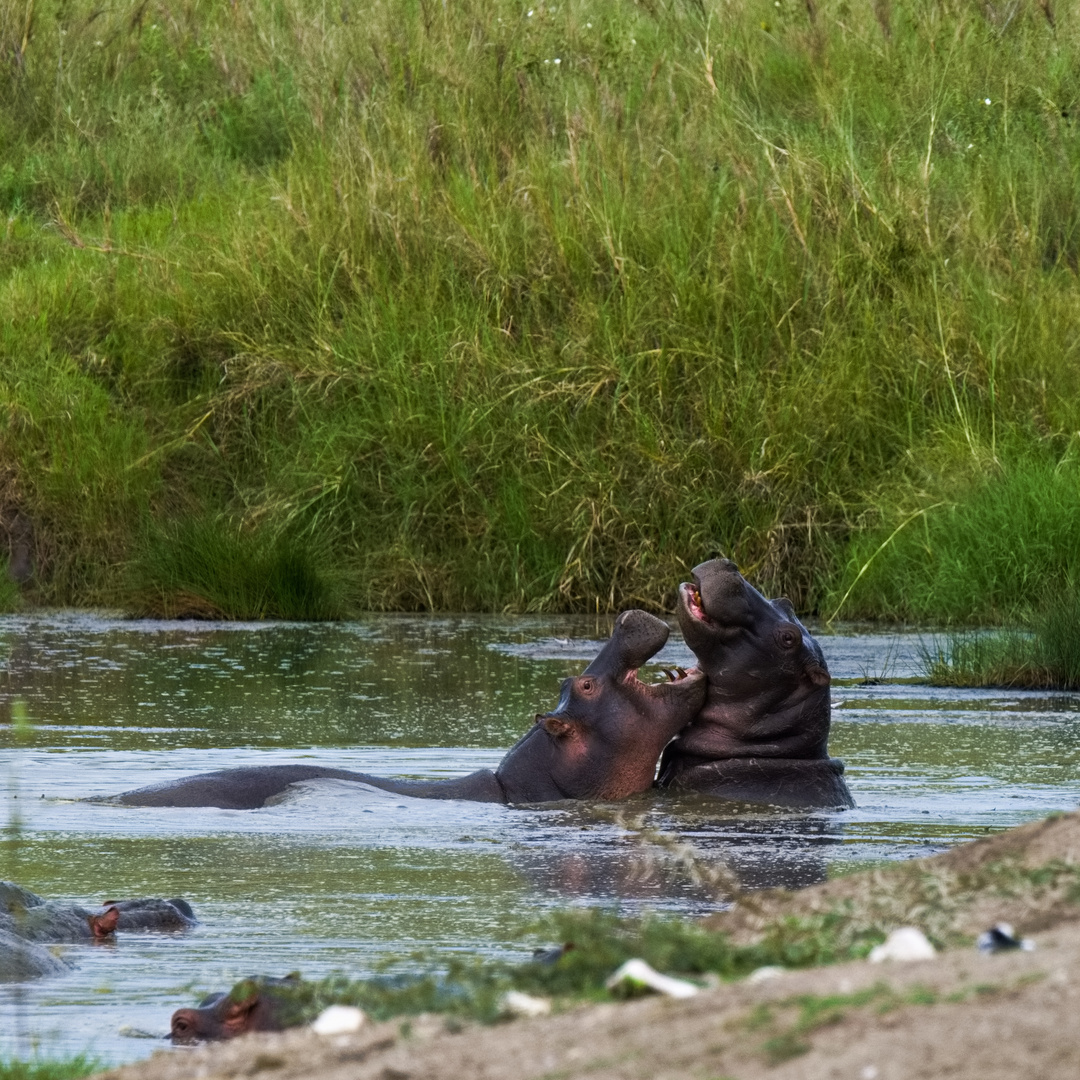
(785, 605)
(237, 1013)
(556, 726)
(242, 999)
(101, 926)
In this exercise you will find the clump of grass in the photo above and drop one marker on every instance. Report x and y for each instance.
(10, 596)
(47, 1069)
(812, 1012)
(1045, 655)
(988, 551)
(209, 569)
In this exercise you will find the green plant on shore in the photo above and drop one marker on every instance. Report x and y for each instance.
(10, 598)
(72, 1068)
(206, 569)
(531, 308)
(991, 553)
(1044, 655)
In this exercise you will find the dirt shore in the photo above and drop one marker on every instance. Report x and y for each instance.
(962, 1014)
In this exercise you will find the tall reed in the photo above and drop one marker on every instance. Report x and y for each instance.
(528, 308)
(1045, 654)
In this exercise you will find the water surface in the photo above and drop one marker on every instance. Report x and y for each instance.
(340, 877)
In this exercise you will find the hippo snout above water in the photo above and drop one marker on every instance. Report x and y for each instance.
(601, 741)
(762, 734)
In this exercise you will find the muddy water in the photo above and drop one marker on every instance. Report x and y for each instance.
(339, 876)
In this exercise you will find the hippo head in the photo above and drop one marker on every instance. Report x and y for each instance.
(215, 1017)
(257, 1003)
(604, 737)
(768, 693)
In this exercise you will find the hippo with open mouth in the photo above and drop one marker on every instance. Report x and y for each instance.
(762, 735)
(601, 741)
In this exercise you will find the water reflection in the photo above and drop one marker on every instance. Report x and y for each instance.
(339, 876)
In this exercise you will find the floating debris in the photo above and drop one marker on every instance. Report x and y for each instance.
(638, 975)
(129, 1032)
(1000, 938)
(338, 1020)
(905, 943)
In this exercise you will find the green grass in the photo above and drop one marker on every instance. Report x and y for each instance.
(988, 549)
(9, 590)
(1046, 655)
(208, 569)
(814, 1012)
(45, 1069)
(473, 989)
(935, 899)
(481, 330)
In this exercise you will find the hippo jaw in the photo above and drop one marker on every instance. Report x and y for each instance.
(604, 737)
(721, 614)
(608, 731)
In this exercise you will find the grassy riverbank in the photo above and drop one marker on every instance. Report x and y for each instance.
(412, 305)
(826, 1021)
(1043, 654)
(832, 923)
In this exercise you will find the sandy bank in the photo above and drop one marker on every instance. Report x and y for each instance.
(961, 1014)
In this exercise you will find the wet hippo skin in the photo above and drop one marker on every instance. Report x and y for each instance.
(165, 916)
(601, 741)
(33, 918)
(22, 960)
(258, 1003)
(762, 735)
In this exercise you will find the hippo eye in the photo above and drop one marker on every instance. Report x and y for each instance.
(788, 637)
(585, 686)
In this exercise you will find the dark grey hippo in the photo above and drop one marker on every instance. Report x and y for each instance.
(34, 918)
(762, 735)
(258, 1003)
(28, 923)
(601, 741)
(165, 916)
(21, 960)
